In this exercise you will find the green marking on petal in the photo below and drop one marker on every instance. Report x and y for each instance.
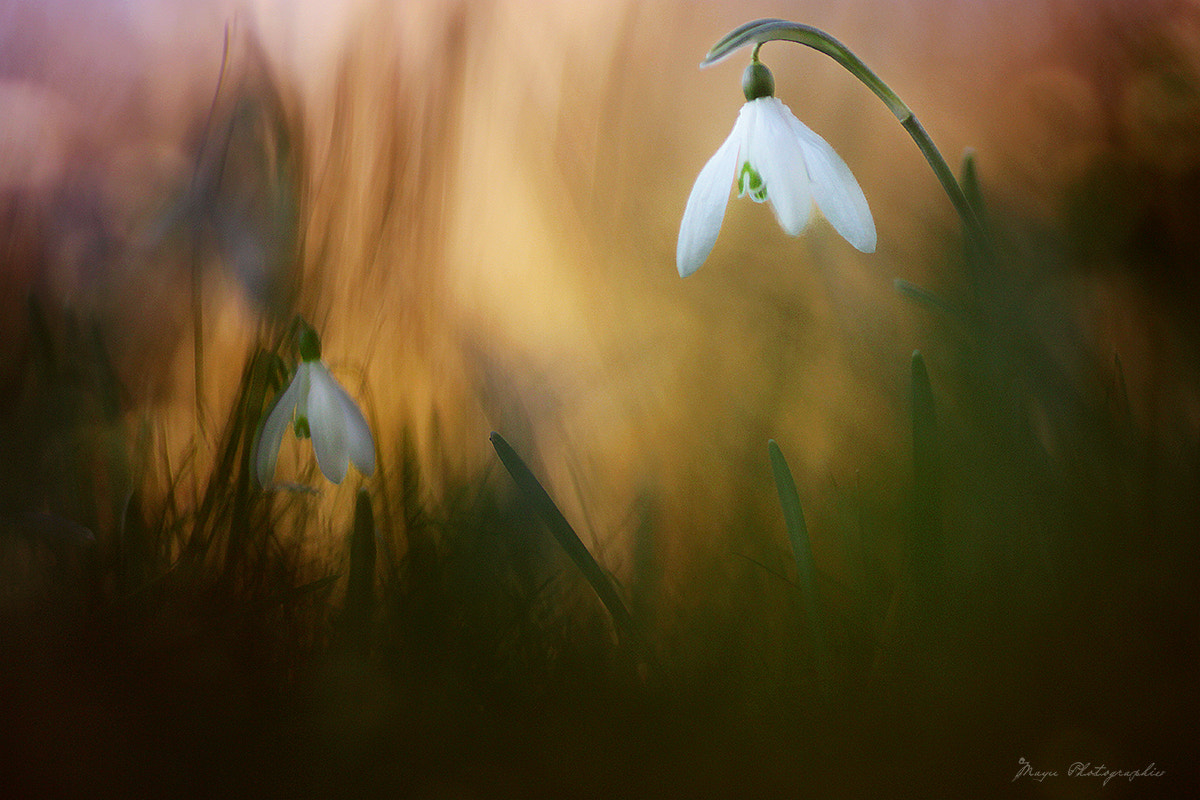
(300, 426)
(750, 181)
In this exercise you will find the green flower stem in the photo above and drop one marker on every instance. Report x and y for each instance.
(767, 30)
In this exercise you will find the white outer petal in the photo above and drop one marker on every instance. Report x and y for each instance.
(302, 380)
(706, 205)
(776, 153)
(270, 434)
(327, 423)
(359, 444)
(835, 190)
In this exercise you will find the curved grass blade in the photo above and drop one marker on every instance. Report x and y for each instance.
(793, 517)
(565, 535)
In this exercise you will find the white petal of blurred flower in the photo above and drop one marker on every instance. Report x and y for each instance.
(316, 403)
(773, 156)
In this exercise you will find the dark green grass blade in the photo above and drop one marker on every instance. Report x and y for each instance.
(360, 583)
(977, 250)
(925, 546)
(926, 298)
(971, 187)
(793, 517)
(564, 534)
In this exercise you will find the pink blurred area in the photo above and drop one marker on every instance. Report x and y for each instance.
(476, 204)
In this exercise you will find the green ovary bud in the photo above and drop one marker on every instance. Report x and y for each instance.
(309, 343)
(749, 181)
(757, 81)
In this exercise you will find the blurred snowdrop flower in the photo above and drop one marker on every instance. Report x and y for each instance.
(775, 157)
(316, 406)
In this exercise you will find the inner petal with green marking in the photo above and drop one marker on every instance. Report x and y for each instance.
(750, 181)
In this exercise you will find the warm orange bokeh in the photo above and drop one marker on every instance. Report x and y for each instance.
(488, 197)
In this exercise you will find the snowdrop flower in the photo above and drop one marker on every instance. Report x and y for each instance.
(774, 156)
(316, 406)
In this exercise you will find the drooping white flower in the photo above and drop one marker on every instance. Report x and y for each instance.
(315, 405)
(775, 157)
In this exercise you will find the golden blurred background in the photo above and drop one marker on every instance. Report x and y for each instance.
(476, 204)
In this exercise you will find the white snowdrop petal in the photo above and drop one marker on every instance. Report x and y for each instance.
(303, 383)
(705, 208)
(275, 424)
(359, 444)
(835, 190)
(327, 423)
(775, 152)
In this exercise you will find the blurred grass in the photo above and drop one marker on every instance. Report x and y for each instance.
(925, 547)
(206, 657)
(793, 516)
(539, 501)
(187, 642)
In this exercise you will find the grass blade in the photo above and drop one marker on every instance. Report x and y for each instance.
(926, 298)
(971, 187)
(564, 534)
(360, 582)
(793, 517)
(925, 546)
(974, 195)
